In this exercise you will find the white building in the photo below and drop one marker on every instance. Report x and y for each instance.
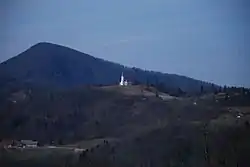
(122, 81)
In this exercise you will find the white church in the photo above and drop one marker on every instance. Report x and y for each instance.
(123, 82)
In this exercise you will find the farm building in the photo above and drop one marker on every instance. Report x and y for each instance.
(29, 143)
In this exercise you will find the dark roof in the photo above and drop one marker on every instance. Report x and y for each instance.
(29, 142)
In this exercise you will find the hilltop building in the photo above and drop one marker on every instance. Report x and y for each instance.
(124, 82)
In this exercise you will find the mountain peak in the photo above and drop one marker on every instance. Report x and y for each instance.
(52, 64)
(45, 44)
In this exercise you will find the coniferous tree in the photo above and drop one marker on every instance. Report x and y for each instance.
(219, 91)
(214, 89)
(156, 93)
(242, 91)
(225, 89)
(156, 81)
(147, 82)
(202, 89)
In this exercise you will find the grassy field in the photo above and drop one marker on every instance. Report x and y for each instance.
(38, 157)
(88, 144)
(63, 155)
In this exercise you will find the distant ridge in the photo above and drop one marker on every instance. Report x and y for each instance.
(55, 65)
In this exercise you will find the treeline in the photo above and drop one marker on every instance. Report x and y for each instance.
(178, 91)
(205, 88)
(235, 96)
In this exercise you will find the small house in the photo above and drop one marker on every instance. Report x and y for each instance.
(29, 143)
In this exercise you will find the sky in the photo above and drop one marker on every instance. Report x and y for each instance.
(203, 39)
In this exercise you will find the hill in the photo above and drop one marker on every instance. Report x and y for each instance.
(144, 130)
(66, 115)
(50, 65)
(81, 113)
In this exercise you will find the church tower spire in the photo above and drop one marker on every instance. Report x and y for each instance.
(122, 80)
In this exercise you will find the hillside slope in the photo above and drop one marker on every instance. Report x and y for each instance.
(82, 113)
(70, 115)
(146, 130)
(54, 65)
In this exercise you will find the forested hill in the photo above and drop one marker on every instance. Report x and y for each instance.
(54, 65)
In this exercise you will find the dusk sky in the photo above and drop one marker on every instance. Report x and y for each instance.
(203, 39)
